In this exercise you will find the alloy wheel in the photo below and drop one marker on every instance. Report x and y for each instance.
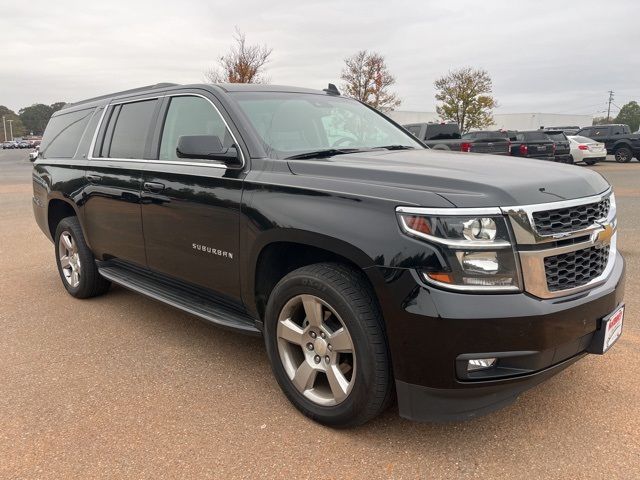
(316, 350)
(69, 259)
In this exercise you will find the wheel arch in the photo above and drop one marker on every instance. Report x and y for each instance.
(291, 249)
(57, 209)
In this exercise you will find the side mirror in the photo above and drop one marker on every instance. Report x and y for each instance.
(206, 147)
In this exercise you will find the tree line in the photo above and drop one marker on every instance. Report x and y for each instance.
(30, 120)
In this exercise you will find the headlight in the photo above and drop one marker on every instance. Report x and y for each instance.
(475, 245)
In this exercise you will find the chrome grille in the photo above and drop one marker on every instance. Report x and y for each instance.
(570, 219)
(575, 269)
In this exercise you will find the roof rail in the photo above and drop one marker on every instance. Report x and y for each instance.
(124, 92)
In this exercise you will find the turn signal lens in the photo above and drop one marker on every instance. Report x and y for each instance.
(419, 224)
(440, 277)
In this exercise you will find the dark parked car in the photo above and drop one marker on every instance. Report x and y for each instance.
(617, 138)
(446, 136)
(534, 144)
(562, 146)
(365, 260)
(568, 131)
(9, 145)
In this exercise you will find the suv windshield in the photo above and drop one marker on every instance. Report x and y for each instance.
(291, 124)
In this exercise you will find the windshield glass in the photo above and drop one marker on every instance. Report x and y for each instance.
(558, 137)
(296, 123)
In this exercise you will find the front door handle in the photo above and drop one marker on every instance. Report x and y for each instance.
(153, 187)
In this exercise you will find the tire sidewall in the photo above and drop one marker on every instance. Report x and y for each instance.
(302, 283)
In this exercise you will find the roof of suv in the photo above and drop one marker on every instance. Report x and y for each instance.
(226, 87)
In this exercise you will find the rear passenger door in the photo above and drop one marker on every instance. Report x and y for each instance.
(602, 134)
(191, 207)
(114, 176)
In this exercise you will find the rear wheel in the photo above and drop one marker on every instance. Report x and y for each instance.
(326, 343)
(76, 263)
(623, 155)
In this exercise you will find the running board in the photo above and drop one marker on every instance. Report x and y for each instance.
(187, 300)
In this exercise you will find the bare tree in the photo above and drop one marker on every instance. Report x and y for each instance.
(242, 64)
(367, 78)
(466, 98)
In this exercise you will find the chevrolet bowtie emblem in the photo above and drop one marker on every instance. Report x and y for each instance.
(604, 236)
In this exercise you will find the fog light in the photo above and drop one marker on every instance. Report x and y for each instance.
(480, 364)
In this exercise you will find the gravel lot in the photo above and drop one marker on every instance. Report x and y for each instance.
(122, 386)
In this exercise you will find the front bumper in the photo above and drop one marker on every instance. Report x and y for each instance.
(429, 329)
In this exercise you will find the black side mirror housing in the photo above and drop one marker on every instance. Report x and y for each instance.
(207, 147)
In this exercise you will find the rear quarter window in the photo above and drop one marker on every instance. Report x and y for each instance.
(63, 133)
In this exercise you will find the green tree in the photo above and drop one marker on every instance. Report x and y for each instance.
(367, 78)
(630, 115)
(57, 106)
(16, 124)
(466, 98)
(35, 117)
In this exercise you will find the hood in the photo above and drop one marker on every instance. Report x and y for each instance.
(466, 180)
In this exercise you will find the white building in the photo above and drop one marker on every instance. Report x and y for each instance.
(507, 121)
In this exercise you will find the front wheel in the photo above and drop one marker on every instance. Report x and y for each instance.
(327, 346)
(623, 155)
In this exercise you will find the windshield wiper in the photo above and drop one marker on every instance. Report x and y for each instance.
(397, 147)
(329, 152)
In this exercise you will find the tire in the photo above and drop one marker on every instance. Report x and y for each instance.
(590, 162)
(347, 305)
(623, 155)
(79, 273)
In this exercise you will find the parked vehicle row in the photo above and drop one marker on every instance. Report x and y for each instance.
(19, 144)
(553, 144)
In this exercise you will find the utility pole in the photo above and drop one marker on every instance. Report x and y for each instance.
(609, 108)
(4, 124)
(11, 129)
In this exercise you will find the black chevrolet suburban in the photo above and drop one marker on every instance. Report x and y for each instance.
(373, 267)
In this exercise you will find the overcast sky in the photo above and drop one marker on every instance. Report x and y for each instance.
(544, 56)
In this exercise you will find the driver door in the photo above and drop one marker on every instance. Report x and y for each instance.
(191, 208)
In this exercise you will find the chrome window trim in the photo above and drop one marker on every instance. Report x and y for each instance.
(203, 163)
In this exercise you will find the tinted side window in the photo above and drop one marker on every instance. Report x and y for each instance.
(585, 132)
(128, 134)
(617, 130)
(63, 133)
(191, 116)
(415, 131)
(599, 132)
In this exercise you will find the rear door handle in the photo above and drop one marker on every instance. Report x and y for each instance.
(91, 178)
(153, 187)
